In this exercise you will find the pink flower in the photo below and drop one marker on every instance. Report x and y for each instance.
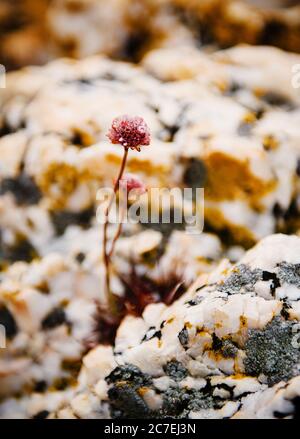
(130, 132)
(132, 182)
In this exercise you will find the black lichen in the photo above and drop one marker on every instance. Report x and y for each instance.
(125, 395)
(166, 222)
(24, 189)
(270, 352)
(129, 373)
(43, 414)
(80, 257)
(21, 251)
(127, 403)
(40, 386)
(266, 275)
(183, 337)
(62, 219)
(152, 333)
(55, 318)
(195, 174)
(225, 347)
(7, 320)
(278, 100)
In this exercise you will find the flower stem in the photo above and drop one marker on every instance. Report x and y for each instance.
(116, 237)
(106, 255)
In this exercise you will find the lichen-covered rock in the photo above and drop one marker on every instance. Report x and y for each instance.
(229, 22)
(224, 122)
(23, 33)
(227, 122)
(47, 310)
(33, 32)
(49, 307)
(228, 348)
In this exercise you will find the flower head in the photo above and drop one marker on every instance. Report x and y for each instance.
(132, 182)
(130, 132)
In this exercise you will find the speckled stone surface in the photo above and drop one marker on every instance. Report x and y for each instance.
(225, 122)
(228, 122)
(36, 31)
(229, 348)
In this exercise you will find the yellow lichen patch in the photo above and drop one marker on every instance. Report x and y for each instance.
(249, 117)
(148, 168)
(242, 334)
(238, 376)
(82, 137)
(60, 174)
(207, 345)
(232, 232)
(188, 325)
(170, 320)
(270, 143)
(43, 287)
(201, 332)
(62, 383)
(222, 85)
(113, 159)
(231, 179)
(72, 366)
(59, 181)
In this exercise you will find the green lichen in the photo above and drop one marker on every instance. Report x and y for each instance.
(289, 273)
(229, 350)
(179, 402)
(241, 279)
(270, 352)
(175, 370)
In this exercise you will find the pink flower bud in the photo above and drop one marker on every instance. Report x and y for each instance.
(130, 132)
(132, 182)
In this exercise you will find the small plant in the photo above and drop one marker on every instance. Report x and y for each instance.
(130, 133)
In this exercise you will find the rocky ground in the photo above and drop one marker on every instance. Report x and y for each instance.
(208, 323)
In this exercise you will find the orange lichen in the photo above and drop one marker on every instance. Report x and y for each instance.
(243, 322)
(142, 391)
